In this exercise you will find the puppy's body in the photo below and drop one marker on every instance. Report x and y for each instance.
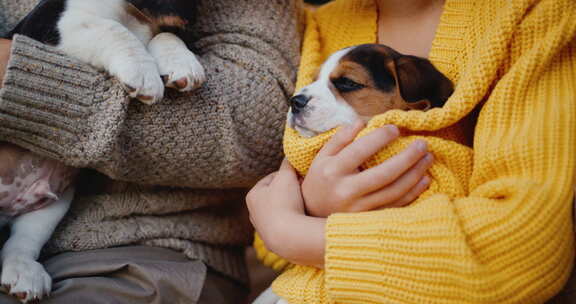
(140, 43)
(137, 41)
(358, 83)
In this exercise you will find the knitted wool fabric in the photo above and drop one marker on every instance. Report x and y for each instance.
(173, 174)
(495, 225)
(12, 12)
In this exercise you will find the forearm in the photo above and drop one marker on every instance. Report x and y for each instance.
(499, 231)
(299, 239)
(47, 99)
(225, 135)
(512, 231)
(455, 250)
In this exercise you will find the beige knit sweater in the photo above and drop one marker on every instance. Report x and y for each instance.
(173, 174)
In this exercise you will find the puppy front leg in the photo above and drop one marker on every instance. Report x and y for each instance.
(178, 65)
(21, 273)
(108, 44)
(269, 297)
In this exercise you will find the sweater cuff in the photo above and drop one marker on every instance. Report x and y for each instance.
(47, 97)
(267, 257)
(353, 262)
(376, 256)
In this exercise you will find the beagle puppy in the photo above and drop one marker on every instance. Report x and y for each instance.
(140, 42)
(363, 81)
(360, 82)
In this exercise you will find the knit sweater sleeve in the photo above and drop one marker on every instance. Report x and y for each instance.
(510, 239)
(227, 134)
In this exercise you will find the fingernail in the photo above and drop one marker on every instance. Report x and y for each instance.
(393, 129)
(425, 180)
(429, 157)
(421, 145)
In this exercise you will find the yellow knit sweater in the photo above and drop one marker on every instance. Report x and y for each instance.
(495, 226)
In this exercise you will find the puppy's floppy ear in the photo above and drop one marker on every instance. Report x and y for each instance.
(419, 80)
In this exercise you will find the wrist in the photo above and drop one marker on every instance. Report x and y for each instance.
(300, 239)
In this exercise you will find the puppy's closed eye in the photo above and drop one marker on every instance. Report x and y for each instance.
(345, 84)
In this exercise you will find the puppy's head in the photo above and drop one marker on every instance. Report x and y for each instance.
(363, 81)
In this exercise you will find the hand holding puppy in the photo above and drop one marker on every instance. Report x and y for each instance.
(290, 216)
(335, 184)
(277, 212)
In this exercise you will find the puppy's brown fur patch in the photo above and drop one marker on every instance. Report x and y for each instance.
(370, 100)
(156, 22)
(171, 21)
(138, 14)
(374, 98)
(143, 17)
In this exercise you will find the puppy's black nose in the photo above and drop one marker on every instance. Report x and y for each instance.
(298, 102)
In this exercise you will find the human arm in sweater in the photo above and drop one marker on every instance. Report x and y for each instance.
(227, 134)
(510, 239)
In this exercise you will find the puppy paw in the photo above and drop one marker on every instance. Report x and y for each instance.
(140, 78)
(25, 279)
(179, 67)
(182, 72)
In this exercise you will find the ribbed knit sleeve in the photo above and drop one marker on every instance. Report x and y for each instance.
(496, 225)
(510, 240)
(227, 134)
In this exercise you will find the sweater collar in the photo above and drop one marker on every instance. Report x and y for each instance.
(448, 46)
(361, 26)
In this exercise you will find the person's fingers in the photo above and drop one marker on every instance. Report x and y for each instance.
(287, 174)
(341, 139)
(353, 155)
(391, 169)
(286, 165)
(265, 181)
(413, 194)
(396, 190)
(286, 169)
(252, 197)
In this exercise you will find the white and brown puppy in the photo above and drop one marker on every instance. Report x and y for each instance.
(363, 81)
(358, 83)
(140, 42)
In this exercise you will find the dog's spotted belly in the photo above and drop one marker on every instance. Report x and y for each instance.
(29, 182)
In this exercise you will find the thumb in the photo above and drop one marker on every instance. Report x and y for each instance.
(266, 181)
(287, 174)
(343, 137)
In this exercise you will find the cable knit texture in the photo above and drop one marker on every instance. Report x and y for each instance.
(173, 174)
(495, 225)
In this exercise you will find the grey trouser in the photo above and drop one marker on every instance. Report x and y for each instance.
(135, 275)
(150, 275)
